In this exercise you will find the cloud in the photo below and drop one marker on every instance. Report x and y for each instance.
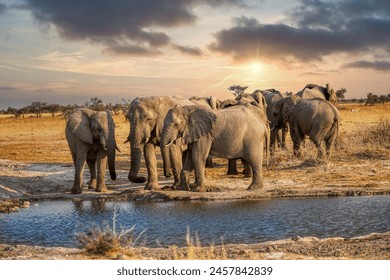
(3, 8)
(7, 88)
(319, 29)
(374, 65)
(188, 50)
(122, 26)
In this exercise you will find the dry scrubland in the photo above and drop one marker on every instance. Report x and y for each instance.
(35, 164)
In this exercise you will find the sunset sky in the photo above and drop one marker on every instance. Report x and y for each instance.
(69, 51)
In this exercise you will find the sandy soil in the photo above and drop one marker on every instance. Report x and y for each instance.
(32, 168)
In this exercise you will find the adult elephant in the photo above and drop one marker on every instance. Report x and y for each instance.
(91, 138)
(279, 130)
(213, 103)
(234, 132)
(317, 118)
(210, 101)
(257, 99)
(146, 116)
(316, 91)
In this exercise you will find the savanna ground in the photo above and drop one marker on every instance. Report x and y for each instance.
(35, 164)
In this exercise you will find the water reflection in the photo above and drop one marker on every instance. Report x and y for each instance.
(56, 223)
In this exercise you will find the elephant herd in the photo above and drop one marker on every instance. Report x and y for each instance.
(190, 132)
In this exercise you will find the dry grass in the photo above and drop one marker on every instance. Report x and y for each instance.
(43, 139)
(107, 242)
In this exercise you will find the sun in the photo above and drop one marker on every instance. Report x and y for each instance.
(255, 67)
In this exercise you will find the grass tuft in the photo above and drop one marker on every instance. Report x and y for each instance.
(107, 241)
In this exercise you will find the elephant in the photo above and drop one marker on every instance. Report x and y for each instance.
(257, 99)
(146, 116)
(91, 137)
(211, 101)
(235, 132)
(316, 117)
(316, 91)
(271, 97)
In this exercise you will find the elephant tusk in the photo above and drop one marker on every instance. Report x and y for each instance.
(170, 143)
(147, 139)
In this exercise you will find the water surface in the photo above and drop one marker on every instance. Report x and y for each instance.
(56, 223)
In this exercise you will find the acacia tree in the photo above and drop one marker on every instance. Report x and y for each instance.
(53, 109)
(340, 93)
(95, 103)
(37, 108)
(237, 89)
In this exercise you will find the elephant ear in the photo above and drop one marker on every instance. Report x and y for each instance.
(200, 123)
(80, 124)
(213, 102)
(260, 99)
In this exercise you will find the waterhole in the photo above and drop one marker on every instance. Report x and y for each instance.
(56, 223)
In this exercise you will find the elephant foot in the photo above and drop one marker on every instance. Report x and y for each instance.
(76, 190)
(152, 186)
(255, 187)
(92, 184)
(182, 187)
(136, 179)
(232, 172)
(101, 189)
(197, 188)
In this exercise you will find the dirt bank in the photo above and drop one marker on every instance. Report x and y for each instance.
(294, 178)
(374, 247)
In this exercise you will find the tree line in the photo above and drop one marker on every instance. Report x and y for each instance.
(38, 108)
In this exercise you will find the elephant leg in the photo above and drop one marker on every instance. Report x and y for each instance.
(247, 169)
(200, 150)
(209, 162)
(92, 171)
(274, 134)
(188, 167)
(284, 134)
(79, 172)
(255, 161)
(151, 165)
(279, 137)
(330, 142)
(297, 138)
(232, 167)
(320, 148)
(175, 155)
(101, 170)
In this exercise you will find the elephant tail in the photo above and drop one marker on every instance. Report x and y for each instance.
(267, 137)
(334, 130)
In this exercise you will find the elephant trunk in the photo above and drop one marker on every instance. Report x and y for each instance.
(166, 160)
(111, 147)
(135, 139)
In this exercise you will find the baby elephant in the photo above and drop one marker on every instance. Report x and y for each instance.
(316, 117)
(235, 132)
(91, 137)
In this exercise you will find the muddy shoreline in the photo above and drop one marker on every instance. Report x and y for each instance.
(21, 183)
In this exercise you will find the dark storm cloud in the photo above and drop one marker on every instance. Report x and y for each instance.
(120, 22)
(188, 50)
(321, 28)
(375, 65)
(3, 8)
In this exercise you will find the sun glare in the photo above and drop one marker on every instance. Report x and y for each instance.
(255, 67)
